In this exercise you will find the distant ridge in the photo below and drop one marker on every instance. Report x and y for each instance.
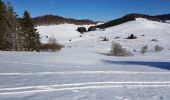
(54, 19)
(133, 16)
(163, 17)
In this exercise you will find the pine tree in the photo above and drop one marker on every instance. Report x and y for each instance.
(30, 36)
(2, 28)
(17, 34)
(13, 29)
(9, 26)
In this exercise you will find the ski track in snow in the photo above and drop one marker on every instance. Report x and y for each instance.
(83, 72)
(82, 86)
(26, 63)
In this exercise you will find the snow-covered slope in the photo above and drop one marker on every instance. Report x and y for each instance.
(144, 29)
(139, 26)
(151, 29)
(62, 32)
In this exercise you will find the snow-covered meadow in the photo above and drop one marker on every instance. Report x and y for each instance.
(84, 71)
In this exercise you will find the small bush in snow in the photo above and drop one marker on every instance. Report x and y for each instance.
(117, 50)
(105, 39)
(155, 40)
(131, 37)
(158, 48)
(52, 45)
(81, 29)
(117, 37)
(144, 49)
(52, 40)
(134, 50)
(92, 28)
(47, 36)
(103, 29)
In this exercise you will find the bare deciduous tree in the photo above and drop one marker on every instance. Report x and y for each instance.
(158, 48)
(144, 49)
(117, 50)
(52, 40)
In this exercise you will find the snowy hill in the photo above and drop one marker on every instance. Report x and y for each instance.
(132, 17)
(62, 32)
(139, 27)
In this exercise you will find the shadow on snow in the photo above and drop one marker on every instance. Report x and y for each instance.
(162, 65)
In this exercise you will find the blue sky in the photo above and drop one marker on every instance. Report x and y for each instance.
(98, 10)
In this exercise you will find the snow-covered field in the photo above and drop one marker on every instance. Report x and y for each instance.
(83, 70)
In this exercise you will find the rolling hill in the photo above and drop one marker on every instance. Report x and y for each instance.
(132, 17)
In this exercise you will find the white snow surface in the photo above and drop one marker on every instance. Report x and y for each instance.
(62, 33)
(83, 70)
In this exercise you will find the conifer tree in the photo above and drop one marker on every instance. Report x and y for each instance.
(30, 36)
(17, 34)
(13, 29)
(9, 27)
(2, 28)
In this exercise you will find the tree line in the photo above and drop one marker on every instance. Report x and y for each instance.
(54, 19)
(17, 34)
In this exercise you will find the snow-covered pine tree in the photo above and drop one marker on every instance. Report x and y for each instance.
(30, 36)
